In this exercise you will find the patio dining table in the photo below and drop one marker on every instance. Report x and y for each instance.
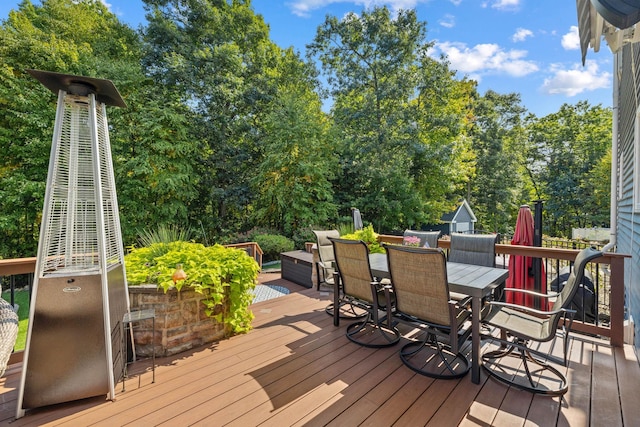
(473, 280)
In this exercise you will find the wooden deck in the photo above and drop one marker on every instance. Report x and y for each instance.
(296, 368)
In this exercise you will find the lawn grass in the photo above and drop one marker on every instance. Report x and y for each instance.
(22, 299)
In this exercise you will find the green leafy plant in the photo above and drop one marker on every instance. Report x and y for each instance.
(368, 236)
(227, 276)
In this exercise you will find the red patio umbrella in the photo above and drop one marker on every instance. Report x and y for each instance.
(521, 275)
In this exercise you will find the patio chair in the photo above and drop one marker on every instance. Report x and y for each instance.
(428, 239)
(419, 282)
(8, 333)
(476, 249)
(325, 267)
(360, 290)
(521, 325)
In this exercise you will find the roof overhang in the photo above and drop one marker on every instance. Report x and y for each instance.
(616, 20)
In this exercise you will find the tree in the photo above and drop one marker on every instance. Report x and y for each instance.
(496, 128)
(568, 159)
(381, 77)
(218, 56)
(293, 181)
(76, 37)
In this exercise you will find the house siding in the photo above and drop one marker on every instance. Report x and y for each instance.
(628, 227)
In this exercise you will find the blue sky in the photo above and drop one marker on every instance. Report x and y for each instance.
(526, 46)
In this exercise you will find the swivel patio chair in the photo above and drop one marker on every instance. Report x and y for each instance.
(361, 291)
(428, 239)
(325, 267)
(522, 325)
(419, 282)
(325, 272)
(476, 249)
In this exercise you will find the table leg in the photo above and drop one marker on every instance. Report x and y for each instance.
(336, 299)
(476, 305)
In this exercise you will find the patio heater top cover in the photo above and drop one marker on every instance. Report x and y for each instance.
(104, 90)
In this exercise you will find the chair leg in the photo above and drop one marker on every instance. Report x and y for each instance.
(370, 334)
(537, 381)
(420, 357)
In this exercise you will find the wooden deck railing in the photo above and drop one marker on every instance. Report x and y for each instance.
(613, 278)
(611, 285)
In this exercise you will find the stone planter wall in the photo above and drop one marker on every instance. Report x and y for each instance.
(181, 322)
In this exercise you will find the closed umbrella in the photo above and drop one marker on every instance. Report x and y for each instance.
(521, 275)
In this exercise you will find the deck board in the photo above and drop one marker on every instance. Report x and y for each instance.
(296, 369)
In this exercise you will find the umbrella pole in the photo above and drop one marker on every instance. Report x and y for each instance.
(537, 241)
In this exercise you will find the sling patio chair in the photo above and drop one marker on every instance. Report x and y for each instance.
(361, 291)
(325, 272)
(422, 300)
(521, 325)
(325, 266)
(475, 249)
(427, 239)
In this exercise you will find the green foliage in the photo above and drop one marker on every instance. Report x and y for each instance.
(368, 236)
(163, 234)
(302, 236)
(397, 115)
(218, 56)
(229, 275)
(293, 182)
(224, 131)
(496, 127)
(272, 245)
(565, 155)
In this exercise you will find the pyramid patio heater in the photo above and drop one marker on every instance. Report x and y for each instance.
(74, 342)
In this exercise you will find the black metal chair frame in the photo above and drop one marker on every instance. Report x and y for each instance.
(354, 295)
(515, 338)
(346, 310)
(448, 352)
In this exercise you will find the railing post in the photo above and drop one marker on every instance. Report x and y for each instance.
(617, 301)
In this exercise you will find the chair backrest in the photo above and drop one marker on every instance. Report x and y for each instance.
(419, 278)
(426, 237)
(325, 247)
(476, 249)
(575, 278)
(352, 259)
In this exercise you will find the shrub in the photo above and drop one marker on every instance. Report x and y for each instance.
(302, 236)
(226, 272)
(368, 236)
(272, 245)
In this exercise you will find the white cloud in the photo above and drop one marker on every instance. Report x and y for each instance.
(304, 8)
(578, 79)
(483, 59)
(571, 40)
(521, 34)
(456, 2)
(506, 4)
(448, 21)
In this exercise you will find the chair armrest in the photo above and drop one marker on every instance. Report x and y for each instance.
(528, 309)
(529, 292)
